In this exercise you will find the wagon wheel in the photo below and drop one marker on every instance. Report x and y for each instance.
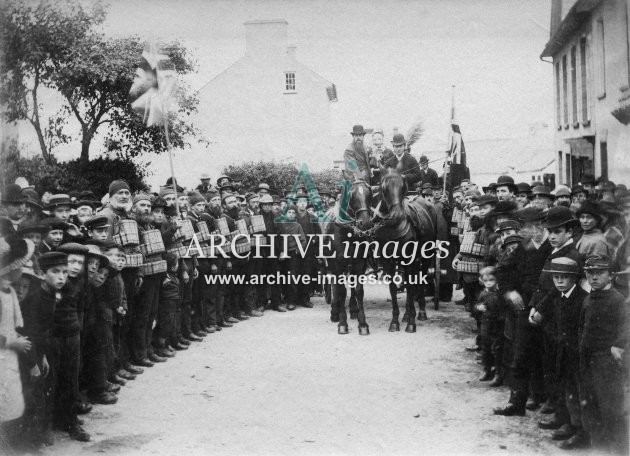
(436, 283)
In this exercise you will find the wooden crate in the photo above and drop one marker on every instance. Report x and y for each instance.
(152, 243)
(127, 234)
(153, 268)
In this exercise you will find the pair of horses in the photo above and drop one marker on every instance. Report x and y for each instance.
(394, 219)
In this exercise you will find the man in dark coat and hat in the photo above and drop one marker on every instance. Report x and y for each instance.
(356, 158)
(427, 174)
(14, 204)
(403, 163)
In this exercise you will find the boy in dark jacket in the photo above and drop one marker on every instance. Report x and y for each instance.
(603, 339)
(562, 306)
(169, 301)
(491, 307)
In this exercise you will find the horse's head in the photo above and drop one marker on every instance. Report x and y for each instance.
(360, 203)
(393, 190)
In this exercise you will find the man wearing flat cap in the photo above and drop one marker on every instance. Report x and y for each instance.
(356, 158)
(403, 163)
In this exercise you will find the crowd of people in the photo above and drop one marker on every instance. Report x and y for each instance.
(545, 275)
(96, 290)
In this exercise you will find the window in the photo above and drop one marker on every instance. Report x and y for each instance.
(601, 60)
(558, 98)
(586, 115)
(565, 87)
(289, 81)
(574, 101)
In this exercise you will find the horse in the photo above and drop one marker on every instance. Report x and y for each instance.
(404, 221)
(350, 256)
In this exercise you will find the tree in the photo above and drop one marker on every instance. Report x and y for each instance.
(95, 81)
(278, 175)
(56, 47)
(33, 40)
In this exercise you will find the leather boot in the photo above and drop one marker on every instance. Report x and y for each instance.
(579, 440)
(487, 375)
(497, 380)
(133, 369)
(551, 423)
(280, 308)
(125, 374)
(117, 380)
(180, 347)
(111, 388)
(104, 398)
(78, 433)
(155, 358)
(565, 432)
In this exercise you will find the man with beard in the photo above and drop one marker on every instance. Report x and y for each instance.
(240, 297)
(356, 159)
(253, 203)
(217, 292)
(85, 210)
(117, 209)
(188, 274)
(202, 305)
(13, 204)
(403, 163)
(268, 264)
(144, 313)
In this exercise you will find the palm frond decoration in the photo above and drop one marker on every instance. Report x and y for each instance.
(415, 133)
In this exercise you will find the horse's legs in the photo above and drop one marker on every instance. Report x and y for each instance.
(364, 329)
(352, 304)
(422, 303)
(412, 291)
(340, 296)
(393, 291)
(334, 303)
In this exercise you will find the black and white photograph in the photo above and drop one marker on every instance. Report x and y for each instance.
(314, 227)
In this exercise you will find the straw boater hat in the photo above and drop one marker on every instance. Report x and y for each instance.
(562, 265)
(14, 253)
(59, 200)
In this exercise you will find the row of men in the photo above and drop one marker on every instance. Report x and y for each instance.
(92, 320)
(546, 278)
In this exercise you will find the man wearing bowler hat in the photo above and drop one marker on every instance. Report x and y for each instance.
(506, 189)
(403, 163)
(427, 174)
(14, 204)
(356, 158)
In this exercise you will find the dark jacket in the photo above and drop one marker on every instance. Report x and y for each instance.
(38, 312)
(359, 155)
(430, 175)
(604, 322)
(407, 167)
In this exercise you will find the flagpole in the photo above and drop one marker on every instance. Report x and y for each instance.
(449, 139)
(169, 147)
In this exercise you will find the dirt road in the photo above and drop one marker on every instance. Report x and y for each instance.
(289, 384)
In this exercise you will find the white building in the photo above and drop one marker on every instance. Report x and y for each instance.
(268, 105)
(590, 51)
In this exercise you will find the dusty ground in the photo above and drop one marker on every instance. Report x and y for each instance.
(288, 384)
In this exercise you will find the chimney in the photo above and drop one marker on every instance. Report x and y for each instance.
(291, 51)
(264, 38)
(556, 16)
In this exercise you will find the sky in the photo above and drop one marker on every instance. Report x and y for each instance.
(393, 61)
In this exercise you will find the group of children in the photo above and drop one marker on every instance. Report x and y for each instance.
(550, 299)
(80, 318)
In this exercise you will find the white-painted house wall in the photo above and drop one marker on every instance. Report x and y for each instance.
(247, 113)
